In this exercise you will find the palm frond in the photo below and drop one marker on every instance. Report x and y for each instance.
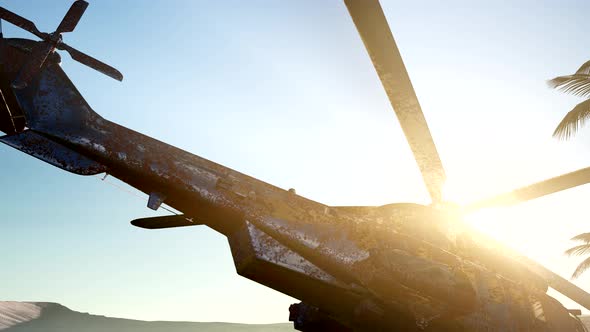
(574, 119)
(582, 267)
(584, 237)
(584, 69)
(580, 250)
(576, 84)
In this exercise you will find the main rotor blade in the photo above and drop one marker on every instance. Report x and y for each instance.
(91, 62)
(21, 22)
(535, 190)
(554, 280)
(69, 22)
(33, 64)
(372, 26)
(558, 283)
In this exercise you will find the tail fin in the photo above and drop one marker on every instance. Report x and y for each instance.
(50, 104)
(40, 119)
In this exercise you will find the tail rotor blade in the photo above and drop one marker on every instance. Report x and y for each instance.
(372, 26)
(33, 66)
(21, 22)
(91, 62)
(72, 17)
(52, 41)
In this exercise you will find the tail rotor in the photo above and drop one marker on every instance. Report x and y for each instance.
(52, 41)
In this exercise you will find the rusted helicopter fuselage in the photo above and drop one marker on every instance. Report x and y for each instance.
(400, 267)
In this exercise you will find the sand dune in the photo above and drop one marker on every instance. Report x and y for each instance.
(53, 317)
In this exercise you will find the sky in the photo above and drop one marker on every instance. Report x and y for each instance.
(285, 92)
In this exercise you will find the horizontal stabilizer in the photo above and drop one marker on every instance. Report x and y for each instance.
(164, 222)
(54, 153)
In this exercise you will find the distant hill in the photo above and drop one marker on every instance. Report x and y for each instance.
(53, 317)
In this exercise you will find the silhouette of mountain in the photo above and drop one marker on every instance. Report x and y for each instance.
(54, 317)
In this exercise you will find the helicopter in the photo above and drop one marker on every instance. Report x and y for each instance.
(398, 267)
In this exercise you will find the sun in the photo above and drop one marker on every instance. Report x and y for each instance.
(498, 223)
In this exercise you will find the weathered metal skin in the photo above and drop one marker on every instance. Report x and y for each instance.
(53, 153)
(399, 267)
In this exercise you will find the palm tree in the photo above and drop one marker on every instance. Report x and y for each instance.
(577, 84)
(580, 250)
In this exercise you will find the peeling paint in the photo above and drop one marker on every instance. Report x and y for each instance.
(405, 266)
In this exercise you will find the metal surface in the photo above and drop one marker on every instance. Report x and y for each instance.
(164, 222)
(53, 153)
(155, 201)
(72, 17)
(399, 267)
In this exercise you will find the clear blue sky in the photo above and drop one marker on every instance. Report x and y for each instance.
(284, 91)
